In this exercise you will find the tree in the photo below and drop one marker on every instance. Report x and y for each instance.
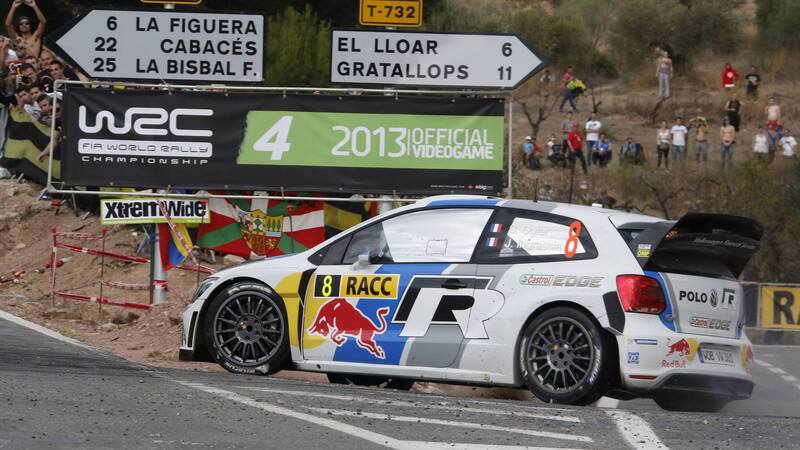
(298, 49)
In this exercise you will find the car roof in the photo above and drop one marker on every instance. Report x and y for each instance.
(617, 217)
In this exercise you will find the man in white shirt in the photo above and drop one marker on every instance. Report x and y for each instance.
(788, 144)
(593, 127)
(678, 133)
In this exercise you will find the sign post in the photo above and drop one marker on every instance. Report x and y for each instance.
(449, 60)
(118, 45)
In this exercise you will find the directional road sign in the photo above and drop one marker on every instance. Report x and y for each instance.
(431, 59)
(390, 13)
(160, 45)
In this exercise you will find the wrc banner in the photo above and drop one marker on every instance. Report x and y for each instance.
(259, 227)
(147, 210)
(264, 141)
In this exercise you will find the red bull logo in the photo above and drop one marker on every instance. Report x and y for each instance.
(338, 319)
(681, 347)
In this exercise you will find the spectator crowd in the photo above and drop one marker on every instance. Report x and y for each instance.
(28, 70)
(675, 140)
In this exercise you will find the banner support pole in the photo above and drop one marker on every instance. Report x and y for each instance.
(510, 149)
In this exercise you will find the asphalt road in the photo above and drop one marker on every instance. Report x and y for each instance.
(55, 394)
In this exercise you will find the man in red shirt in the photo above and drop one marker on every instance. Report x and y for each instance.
(729, 77)
(575, 144)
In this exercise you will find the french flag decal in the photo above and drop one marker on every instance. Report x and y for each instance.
(492, 242)
(497, 228)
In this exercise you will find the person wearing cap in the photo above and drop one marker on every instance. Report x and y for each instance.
(24, 27)
(527, 150)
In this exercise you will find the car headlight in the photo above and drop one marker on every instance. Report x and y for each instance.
(205, 284)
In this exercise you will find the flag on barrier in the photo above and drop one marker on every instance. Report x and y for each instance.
(260, 227)
(174, 249)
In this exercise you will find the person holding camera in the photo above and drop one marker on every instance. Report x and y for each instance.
(23, 28)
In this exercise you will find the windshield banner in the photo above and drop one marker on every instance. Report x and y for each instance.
(256, 141)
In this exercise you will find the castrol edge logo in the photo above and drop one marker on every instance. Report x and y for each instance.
(144, 121)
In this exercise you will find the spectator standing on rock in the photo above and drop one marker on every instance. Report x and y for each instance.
(662, 144)
(678, 133)
(575, 143)
(24, 27)
(664, 74)
(701, 138)
(773, 113)
(729, 77)
(760, 144)
(733, 111)
(753, 82)
(788, 144)
(727, 138)
(592, 128)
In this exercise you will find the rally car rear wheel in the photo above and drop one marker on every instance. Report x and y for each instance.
(373, 381)
(245, 328)
(565, 357)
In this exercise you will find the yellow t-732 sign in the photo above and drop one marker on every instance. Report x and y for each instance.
(780, 307)
(391, 13)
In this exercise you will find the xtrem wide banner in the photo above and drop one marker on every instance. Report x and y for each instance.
(256, 141)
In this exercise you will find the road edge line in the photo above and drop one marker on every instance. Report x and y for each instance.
(636, 431)
(44, 330)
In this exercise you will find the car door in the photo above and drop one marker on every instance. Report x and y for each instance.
(396, 292)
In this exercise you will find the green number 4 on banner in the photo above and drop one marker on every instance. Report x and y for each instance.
(276, 139)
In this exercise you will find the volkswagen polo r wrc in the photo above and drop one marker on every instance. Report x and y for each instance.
(572, 302)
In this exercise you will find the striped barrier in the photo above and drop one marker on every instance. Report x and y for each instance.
(54, 263)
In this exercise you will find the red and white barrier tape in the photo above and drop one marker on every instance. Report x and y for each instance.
(103, 300)
(125, 286)
(175, 233)
(91, 251)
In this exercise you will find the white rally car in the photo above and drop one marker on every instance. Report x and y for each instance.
(569, 301)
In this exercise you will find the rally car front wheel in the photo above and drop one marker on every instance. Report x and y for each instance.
(245, 329)
(565, 357)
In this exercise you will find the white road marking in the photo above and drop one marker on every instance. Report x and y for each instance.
(786, 377)
(606, 402)
(402, 403)
(361, 433)
(635, 430)
(45, 331)
(452, 423)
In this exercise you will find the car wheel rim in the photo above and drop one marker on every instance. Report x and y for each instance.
(560, 355)
(248, 328)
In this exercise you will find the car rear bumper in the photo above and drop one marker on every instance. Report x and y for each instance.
(189, 338)
(732, 388)
(655, 360)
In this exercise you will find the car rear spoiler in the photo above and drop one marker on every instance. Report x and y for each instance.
(731, 240)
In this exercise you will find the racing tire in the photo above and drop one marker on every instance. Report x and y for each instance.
(691, 402)
(565, 357)
(245, 329)
(401, 384)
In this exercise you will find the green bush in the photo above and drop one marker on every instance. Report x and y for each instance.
(684, 27)
(298, 49)
(777, 23)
